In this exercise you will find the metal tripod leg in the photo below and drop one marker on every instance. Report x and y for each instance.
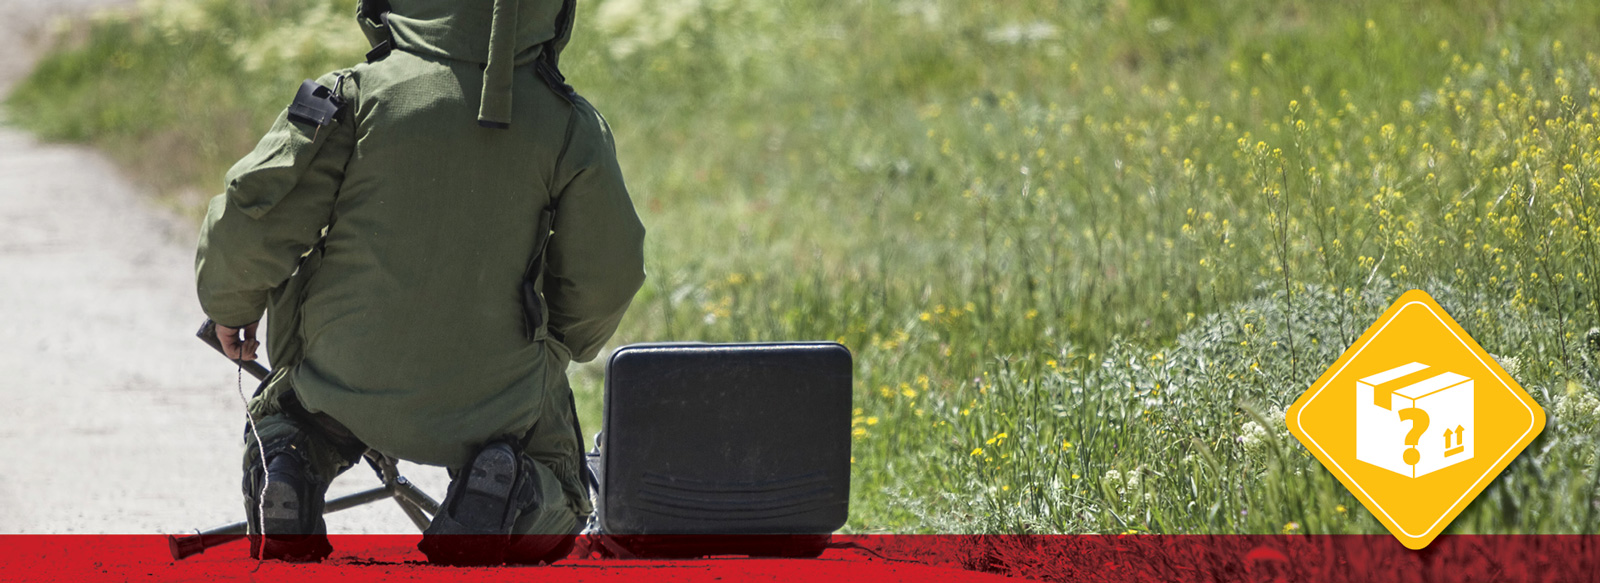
(417, 505)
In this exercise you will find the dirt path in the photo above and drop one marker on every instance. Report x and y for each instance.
(115, 419)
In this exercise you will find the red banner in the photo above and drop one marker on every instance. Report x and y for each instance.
(876, 558)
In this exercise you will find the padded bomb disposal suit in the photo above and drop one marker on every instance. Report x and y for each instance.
(406, 323)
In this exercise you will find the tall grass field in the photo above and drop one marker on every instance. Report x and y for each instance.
(1085, 253)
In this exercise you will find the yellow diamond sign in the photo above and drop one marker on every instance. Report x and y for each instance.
(1415, 419)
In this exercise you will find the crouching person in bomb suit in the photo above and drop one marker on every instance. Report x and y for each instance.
(433, 235)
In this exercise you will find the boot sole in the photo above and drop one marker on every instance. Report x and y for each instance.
(474, 529)
(285, 539)
(280, 510)
(482, 508)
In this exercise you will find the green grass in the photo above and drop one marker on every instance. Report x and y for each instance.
(1084, 255)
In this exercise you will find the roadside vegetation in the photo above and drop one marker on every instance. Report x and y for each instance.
(1085, 254)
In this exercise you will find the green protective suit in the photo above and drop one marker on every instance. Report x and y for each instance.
(388, 246)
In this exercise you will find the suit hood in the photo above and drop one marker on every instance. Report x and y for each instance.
(498, 34)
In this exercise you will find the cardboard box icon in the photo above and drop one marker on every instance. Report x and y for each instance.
(1414, 420)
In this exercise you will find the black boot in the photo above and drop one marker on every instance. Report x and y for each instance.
(474, 523)
(286, 517)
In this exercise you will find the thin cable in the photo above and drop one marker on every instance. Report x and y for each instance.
(261, 497)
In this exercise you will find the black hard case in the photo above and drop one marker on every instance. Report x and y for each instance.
(726, 439)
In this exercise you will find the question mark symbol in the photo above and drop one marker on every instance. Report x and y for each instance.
(1419, 424)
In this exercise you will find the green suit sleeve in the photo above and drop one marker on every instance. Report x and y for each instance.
(278, 199)
(596, 254)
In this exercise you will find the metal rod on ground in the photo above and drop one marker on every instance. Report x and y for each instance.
(189, 545)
